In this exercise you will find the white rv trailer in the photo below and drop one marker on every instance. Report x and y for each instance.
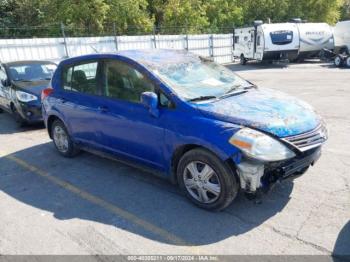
(342, 43)
(269, 42)
(342, 37)
(314, 37)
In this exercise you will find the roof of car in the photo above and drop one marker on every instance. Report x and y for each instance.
(27, 62)
(159, 57)
(154, 58)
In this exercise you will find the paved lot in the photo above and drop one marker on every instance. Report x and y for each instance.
(91, 205)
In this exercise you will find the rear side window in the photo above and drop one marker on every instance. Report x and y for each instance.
(125, 82)
(82, 78)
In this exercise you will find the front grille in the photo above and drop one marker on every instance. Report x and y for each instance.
(309, 139)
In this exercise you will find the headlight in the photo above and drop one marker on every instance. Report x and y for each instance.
(25, 97)
(260, 146)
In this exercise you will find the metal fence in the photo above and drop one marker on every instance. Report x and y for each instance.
(69, 44)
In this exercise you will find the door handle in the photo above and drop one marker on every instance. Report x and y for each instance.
(103, 109)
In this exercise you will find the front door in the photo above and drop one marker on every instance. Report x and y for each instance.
(128, 127)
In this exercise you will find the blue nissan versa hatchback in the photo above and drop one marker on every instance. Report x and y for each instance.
(180, 115)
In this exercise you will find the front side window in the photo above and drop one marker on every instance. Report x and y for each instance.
(125, 82)
(199, 78)
(282, 37)
(81, 78)
(31, 72)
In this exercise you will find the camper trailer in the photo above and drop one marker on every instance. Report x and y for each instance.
(342, 43)
(342, 37)
(314, 37)
(266, 42)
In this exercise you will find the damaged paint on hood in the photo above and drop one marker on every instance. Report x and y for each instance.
(264, 109)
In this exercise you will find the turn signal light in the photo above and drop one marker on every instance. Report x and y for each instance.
(46, 92)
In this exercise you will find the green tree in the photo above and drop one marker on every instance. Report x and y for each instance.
(175, 16)
(276, 10)
(345, 10)
(129, 15)
(189, 14)
(156, 9)
(6, 13)
(316, 10)
(223, 13)
(86, 14)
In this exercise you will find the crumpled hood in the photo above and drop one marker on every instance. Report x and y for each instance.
(264, 109)
(34, 87)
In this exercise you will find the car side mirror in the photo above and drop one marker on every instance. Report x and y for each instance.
(150, 101)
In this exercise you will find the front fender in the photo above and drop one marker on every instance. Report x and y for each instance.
(210, 134)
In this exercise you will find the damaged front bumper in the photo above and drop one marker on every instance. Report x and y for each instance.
(255, 175)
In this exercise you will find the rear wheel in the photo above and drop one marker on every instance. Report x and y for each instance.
(62, 140)
(347, 62)
(1, 110)
(338, 61)
(242, 60)
(206, 180)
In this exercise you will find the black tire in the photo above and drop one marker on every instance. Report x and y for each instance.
(242, 60)
(229, 185)
(1, 111)
(347, 62)
(72, 150)
(338, 61)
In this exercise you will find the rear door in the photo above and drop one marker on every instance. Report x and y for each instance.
(79, 101)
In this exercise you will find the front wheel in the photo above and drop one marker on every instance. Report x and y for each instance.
(62, 140)
(206, 180)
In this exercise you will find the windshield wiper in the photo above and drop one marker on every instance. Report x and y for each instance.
(249, 87)
(233, 88)
(236, 90)
(201, 98)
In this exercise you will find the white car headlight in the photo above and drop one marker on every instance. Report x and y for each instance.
(260, 146)
(25, 97)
